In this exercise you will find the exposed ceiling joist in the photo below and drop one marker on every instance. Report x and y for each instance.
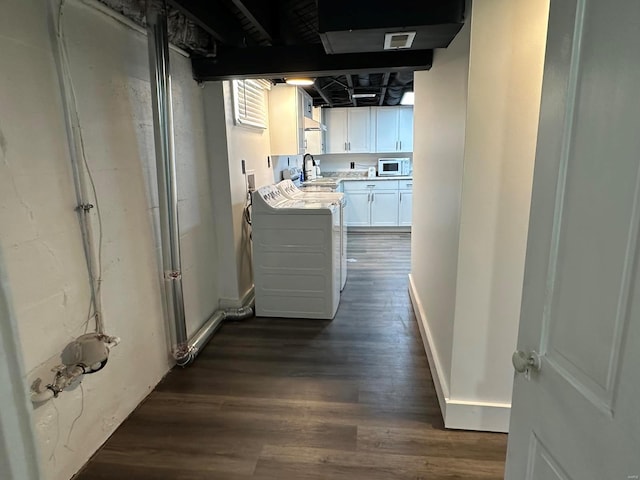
(321, 92)
(213, 18)
(350, 84)
(307, 60)
(258, 14)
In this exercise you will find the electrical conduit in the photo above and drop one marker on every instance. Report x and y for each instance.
(185, 350)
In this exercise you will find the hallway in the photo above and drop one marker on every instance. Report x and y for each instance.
(277, 399)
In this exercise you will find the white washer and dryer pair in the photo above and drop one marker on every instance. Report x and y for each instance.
(296, 255)
(290, 190)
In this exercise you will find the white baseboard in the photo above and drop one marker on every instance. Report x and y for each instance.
(236, 302)
(480, 416)
(440, 380)
(457, 414)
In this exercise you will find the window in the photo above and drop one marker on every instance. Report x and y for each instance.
(249, 102)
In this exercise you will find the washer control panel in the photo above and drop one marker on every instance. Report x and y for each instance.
(270, 194)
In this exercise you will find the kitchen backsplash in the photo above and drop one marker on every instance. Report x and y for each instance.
(340, 162)
(280, 162)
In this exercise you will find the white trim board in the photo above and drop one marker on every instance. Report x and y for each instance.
(457, 414)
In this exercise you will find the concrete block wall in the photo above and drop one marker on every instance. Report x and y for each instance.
(39, 232)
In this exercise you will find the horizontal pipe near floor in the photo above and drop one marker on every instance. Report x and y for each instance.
(210, 327)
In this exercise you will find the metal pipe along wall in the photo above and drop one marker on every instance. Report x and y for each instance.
(185, 350)
(158, 41)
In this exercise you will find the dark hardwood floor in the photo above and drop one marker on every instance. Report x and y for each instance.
(278, 399)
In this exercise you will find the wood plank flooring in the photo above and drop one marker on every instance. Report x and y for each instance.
(280, 399)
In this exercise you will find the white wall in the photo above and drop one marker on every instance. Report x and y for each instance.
(439, 132)
(40, 234)
(504, 83)
(228, 145)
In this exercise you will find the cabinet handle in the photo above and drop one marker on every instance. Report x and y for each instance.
(400, 145)
(368, 198)
(371, 186)
(396, 145)
(349, 143)
(373, 197)
(400, 197)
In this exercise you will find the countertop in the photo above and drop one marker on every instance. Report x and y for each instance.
(336, 178)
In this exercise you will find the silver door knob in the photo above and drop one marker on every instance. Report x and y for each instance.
(525, 362)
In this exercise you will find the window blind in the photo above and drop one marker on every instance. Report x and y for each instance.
(250, 102)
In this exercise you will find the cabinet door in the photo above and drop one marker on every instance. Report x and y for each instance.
(386, 126)
(359, 130)
(384, 208)
(285, 121)
(336, 121)
(405, 129)
(358, 208)
(405, 208)
(313, 142)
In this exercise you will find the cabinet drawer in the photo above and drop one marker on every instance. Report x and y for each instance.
(406, 184)
(367, 185)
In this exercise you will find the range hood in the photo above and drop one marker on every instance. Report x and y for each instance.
(372, 25)
(311, 125)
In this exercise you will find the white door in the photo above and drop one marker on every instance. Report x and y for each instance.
(384, 208)
(578, 418)
(405, 129)
(336, 137)
(358, 209)
(359, 140)
(386, 125)
(405, 208)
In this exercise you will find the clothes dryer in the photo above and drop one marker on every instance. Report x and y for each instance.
(290, 190)
(296, 255)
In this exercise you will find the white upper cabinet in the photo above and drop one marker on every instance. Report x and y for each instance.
(286, 122)
(348, 130)
(386, 125)
(393, 129)
(359, 130)
(336, 121)
(405, 129)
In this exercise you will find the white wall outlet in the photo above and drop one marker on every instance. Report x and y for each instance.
(251, 180)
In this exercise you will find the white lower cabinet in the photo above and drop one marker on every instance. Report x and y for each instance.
(405, 203)
(376, 203)
(384, 208)
(358, 209)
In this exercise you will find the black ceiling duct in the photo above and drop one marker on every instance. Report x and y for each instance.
(363, 26)
(397, 87)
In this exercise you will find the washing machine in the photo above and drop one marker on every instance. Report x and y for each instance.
(290, 190)
(296, 255)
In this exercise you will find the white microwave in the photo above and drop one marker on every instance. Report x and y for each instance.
(394, 166)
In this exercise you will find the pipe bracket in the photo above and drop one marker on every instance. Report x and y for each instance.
(85, 207)
(173, 275)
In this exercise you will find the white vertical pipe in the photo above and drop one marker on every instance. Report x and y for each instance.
(158, 41)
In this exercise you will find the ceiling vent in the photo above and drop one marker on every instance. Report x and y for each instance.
(393, 41)
(381, 26)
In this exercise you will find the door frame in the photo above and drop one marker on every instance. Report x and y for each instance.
(18, 452)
